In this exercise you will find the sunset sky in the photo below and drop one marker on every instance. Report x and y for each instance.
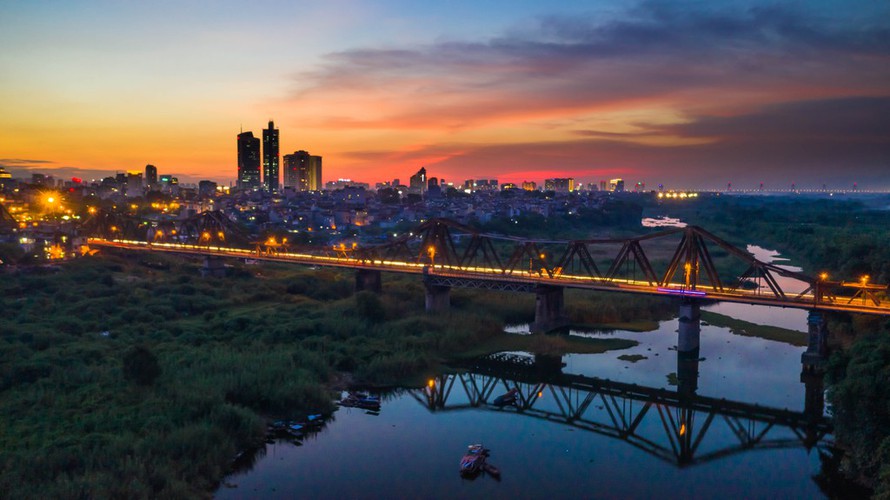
(688, 94)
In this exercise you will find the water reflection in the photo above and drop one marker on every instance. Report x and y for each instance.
(678, 427)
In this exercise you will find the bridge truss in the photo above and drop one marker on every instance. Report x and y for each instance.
(687, 261)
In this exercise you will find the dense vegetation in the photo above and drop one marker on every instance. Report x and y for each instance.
(860, 398)
(846, 238)
(132, 376)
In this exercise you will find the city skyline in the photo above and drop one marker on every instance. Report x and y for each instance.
(692, 94)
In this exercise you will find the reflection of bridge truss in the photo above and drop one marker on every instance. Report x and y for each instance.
(667, 424)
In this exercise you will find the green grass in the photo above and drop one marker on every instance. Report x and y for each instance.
(747, 329)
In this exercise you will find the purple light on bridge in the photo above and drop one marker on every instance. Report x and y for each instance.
(682, 292)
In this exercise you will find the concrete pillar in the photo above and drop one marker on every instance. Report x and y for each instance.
(438, 298)
(813, 359)
(690, 327)
(549, 309)
(213, 266)
(688, 339)
(368, 279)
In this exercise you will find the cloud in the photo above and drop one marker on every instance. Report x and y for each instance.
(835, 141)
(566, 67)
(854, 119)
(24, 163)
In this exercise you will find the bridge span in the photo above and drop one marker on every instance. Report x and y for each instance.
(678, 262)
(449, 255)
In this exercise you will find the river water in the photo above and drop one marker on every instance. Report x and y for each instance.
(411, 448)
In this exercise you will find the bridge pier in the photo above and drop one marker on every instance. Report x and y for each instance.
(688, 344)
(213, 266)
(690, 327)
(813, 359)
(549, 309)
(368, 279)
(438, 298)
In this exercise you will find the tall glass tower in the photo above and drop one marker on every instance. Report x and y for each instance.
(270, 157)
(248, 160)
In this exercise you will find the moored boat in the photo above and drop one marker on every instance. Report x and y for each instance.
(473, 462)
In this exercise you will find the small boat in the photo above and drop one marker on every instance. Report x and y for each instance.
(509, 398)
(473, 462)
(361, 400)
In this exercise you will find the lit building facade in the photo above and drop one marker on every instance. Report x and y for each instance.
(270, 158)
(560, 184)
(303, 171)
(248, 160)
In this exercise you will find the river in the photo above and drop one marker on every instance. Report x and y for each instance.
(412, 447)
(410, 450)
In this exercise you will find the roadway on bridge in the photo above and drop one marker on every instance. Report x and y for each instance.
(483, 274)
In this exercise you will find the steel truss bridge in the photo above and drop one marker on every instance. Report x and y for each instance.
(674, 262)
(671, 425)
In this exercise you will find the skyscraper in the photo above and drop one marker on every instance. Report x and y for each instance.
(270, 157)
(417, 183)
(248, 160)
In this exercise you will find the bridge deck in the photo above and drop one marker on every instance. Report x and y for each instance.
(482, 277)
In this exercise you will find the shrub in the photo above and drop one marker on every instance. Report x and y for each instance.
(141, 366)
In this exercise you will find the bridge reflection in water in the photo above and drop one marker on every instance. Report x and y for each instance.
(670, 425)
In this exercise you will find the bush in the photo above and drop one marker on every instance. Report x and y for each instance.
(141, 366)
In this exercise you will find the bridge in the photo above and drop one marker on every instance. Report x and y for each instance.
(689, 263)
(676, 426)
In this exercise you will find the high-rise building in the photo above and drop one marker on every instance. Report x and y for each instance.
(151, 176)
(315, 182)
(529, 185)
(293, 163)
(417, 183)
(134, 184)
(296, 170)
(248, 160)
(270, 157)
(616, 185)
(302, 171)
